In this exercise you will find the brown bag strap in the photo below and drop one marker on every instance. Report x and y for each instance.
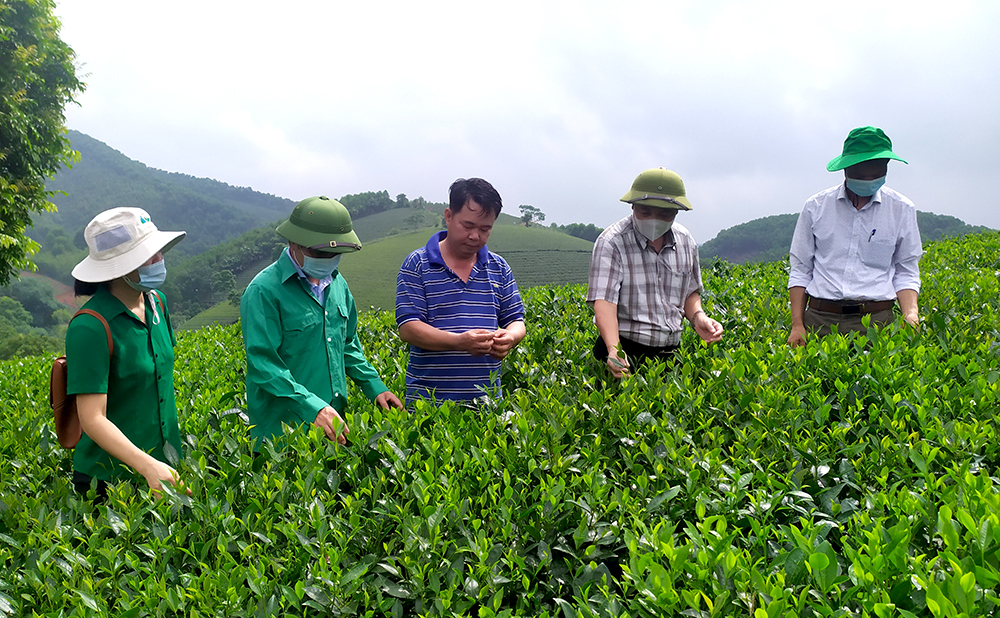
(107, 329)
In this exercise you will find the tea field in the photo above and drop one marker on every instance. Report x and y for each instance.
(857, 476)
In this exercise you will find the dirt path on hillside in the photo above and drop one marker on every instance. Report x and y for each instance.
(60, 291)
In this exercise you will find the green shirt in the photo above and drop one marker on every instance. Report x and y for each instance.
(138, 380)
(299, 351)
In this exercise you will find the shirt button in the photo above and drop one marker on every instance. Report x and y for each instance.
(329, 339)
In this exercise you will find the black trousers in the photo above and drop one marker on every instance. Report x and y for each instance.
(81, 483)
(636, 352)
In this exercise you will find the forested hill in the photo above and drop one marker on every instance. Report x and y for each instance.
(768, 238)
(210, 211)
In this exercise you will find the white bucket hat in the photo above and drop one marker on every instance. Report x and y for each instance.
(120, 241)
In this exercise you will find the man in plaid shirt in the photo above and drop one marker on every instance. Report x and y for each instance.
(645, 278)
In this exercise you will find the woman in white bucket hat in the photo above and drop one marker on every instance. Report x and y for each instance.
(121, 367)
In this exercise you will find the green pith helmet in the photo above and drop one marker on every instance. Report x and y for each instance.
(322, 224)
(659, 188)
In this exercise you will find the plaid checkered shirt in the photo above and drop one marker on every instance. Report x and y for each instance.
(649, 288)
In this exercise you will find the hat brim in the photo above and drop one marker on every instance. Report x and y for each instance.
(845, 161)
(293, 233)
(670, 202)
(91, 270)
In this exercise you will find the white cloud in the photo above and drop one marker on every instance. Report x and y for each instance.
(559, 103)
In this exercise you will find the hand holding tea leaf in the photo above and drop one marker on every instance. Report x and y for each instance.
(505, 339)
(332, 425)
(478, 341)
(618, 362)
(157, 472)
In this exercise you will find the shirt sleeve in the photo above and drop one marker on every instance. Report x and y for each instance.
(802, 252)
(694, 281)
(411, 302)
(262, 333)
(356, 364)
(88, 360)
(604, 281)
(907, 256)
(511, 307)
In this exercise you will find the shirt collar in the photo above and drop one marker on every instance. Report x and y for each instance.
(287, 267)
(434, 250)
(875, 199)
(107, 304)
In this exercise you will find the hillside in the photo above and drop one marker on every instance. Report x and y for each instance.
(537, 256)
(768, 238)
(210, 211)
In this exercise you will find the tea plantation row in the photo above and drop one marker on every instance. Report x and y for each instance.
(854, 477)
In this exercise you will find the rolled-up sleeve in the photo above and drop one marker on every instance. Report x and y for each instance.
(906, 259)
(604, 281)
(802, 252)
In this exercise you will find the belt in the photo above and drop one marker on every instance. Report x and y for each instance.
(849, 307)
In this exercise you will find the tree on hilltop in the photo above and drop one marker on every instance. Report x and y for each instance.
(530, 214)
(37, 80)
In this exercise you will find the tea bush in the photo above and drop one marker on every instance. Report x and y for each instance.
(853, 477)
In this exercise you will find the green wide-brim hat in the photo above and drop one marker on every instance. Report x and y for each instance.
(321, 223)
(864, 144)
(659, 188)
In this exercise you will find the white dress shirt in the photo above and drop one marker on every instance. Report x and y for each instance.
(841, 253)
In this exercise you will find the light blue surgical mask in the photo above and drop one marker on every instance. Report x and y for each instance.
(150, 277)
(865, 188)
(319, 268)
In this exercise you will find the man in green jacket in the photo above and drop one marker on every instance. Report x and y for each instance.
(299, 325)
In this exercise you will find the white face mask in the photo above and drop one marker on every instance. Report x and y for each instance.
(651, 228)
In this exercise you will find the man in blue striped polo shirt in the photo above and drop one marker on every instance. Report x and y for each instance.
(457, 303)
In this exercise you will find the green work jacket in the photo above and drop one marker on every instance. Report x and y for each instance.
(138, 379)
(299, 351)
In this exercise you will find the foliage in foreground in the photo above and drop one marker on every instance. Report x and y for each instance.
(37, 80)
(855, 477)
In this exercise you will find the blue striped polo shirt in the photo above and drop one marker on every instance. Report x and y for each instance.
(429, 291)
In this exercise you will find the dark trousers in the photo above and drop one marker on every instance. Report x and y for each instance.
(81, 483)
(637, 353)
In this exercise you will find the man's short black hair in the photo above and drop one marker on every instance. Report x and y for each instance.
(476, 189)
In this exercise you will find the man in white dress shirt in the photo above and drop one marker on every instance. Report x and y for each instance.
(856, 249)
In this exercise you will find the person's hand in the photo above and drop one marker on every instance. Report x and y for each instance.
(477, 342)
(797, 337)
(618, 363)
(157, 472)
(708, 329)
(332, 425)
(503, 343)
(387, 400)
(913, 320)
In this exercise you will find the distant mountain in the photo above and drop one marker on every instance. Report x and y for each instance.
(210, 211)
(768, 239)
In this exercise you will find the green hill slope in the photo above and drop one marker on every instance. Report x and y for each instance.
(768, 238)
(210, 211)
(537, 256)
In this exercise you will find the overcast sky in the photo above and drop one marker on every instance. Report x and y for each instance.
(558, 104)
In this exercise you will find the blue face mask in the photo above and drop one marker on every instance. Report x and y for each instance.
(319, 268)
(150, 277)
(865, 188)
